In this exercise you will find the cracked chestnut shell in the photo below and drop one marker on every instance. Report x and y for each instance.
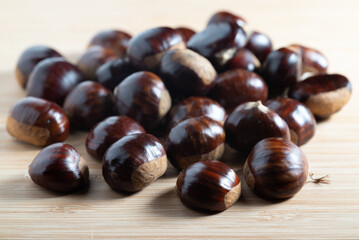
(186, 33)
(224, 16)
(193, 140)
(38, 122)
(243, 59)
(276, 169)
(59, 168)
(259, 44)
(208, 185)
(134, 162)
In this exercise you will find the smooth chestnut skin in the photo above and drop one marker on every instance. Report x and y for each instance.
(115, 40)
(134, 162)
(224, 16)
(323, 94)
(243, 59)
(28, 60)
(298, 117)
(276, 169)
(59, 168)
(237, 86)
(53, 79)
(38, 122)
(146, 49)
(259, 44)
(186, 33)
(143, 97)
(195, 139)
(87, 104)
(108, 131)
(208, 185)
(188, 72)
(251, 122)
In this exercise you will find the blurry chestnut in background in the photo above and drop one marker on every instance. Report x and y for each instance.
(208, 185)
(38, 122)
(251, 122)
(224, 16)
(28, 60)
(276, 169)
(186, 33)
(234, 87)
(115, 40)
(60, 168)
(108, 131)
(87, 104)
(259, 44)
(143, 97)
(298, 117)
(53, 79)
(146, 49)
(243, 59)
(195, 139)
(134, 162)
(323, 94)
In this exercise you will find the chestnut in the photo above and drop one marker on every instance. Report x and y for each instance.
(38, 122)
(224, 16)
(186, 71)
(208, 185)
(53, 79)
(323, 94)
(298, 117)
(115, 40)
(108, 131)
(28, 60)
(259, 44)
(134, 162)
(251, 122)
(195, 139)
(186, 33)
(146, 49)
(237, 86)
(59, 168)
(143, 97)
(92, 59)
(87, 104)
(276, 169)
(243, 59)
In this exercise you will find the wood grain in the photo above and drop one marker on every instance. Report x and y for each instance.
(317, 212)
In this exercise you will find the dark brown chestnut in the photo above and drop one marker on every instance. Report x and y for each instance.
(108, 131)
(234, 87)
(115, 40)
(243, 59)
(224, 16)
(251, 122)
(323, 94)
(143, 97)
(195, 139)
(87, 104)
(146, 49)
(276, 169)
(298, 117)
(259, 44)
(38, 122)
(28, 60)
(208, 185)
(59, 168)
(186, 71)
(53, 79)
(186, 33)
(134, 162)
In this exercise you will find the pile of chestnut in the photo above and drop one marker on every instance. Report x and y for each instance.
(198, 92)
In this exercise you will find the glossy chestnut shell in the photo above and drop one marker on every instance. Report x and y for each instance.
(243, 59)
(224, 16)
(259, 44)
(186, 33)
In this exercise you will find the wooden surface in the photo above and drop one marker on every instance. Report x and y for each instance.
(317, 212)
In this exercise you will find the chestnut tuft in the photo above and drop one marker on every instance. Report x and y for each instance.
(224, 16)
(186, 33)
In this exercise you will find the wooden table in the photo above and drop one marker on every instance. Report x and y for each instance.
(319, 211)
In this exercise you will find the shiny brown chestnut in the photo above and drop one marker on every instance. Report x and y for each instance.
(134, 162)
(53, 79)
(208, 185)
(146, 49)
(224, 16)
(186, 33)
(115, 40)
(323, 94)
(28, 60)
(38, 122)
(276, 169)
(186, 71)
(195, 139)
(59, 168)
(108, 131)
(259, 44)
(298, 117)
(237, 86)
(243, 59)
(251, 122)
(143, 97)
(87, 104)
